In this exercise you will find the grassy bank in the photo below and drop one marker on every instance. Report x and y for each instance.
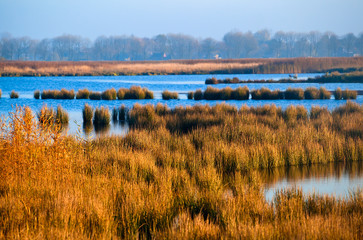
(184, 173)
(242, 93)
(223, 66)
(334, 77)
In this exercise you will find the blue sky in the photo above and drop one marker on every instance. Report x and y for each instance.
(199, 18)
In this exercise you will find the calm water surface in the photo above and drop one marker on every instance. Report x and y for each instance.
(182, 84)
(337, 179)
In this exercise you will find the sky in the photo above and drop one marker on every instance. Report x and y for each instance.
(199, 18)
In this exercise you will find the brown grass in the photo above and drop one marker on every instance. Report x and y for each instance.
(293, 65)
(161, 183)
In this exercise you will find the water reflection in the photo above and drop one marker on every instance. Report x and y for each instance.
(333, 178)
(119, 128)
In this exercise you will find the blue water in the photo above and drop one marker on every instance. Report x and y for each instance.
(336, 179)
(182, 84)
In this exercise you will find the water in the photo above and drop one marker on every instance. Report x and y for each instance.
(182, 84)
(335, 179)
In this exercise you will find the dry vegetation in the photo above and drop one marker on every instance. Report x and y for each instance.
(232, 66)
(243, 93)
(333, 77)
(186, 173)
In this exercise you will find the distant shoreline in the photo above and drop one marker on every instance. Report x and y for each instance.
(181, 67)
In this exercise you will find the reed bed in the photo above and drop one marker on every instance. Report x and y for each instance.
(346, 94)
(333, 77)
(135, 92)
(314, 93)
(95, 95)
(166, 95)
(294, 93)
(109, 94)
(61, 116)
(222, 66)
(119, 114)
(265, 93)
(190, 95)
(83, 94)
(14, 94)
(122, 113)
(87, 114)
(242, 93)
(36, 94)
(58, 94)
(47, 116)
(101, 117)
(183, 173)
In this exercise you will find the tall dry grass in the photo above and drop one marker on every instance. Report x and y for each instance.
(166, 95)
(83, 94)
(223, 66)
(58, 94)
(179, 173)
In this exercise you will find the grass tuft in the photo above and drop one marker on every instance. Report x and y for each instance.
(14, 94)
(61, 116)
(109, 94)
(95, 95)
(83, 94)
(87, 114)
(36, 94)
(166, 95)
(101, 117)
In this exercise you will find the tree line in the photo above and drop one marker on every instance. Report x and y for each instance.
(235, 44)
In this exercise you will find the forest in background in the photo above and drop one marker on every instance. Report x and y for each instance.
(261, 44)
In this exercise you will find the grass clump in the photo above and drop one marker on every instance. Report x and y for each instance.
(83, 94)
(56, 94)
(114, 115)
(294, 93)
(240, 93)
(95, 95)
(349, 94)
(14, 94)
(136, 92)
(61, 116)
(190, 95)
(338, 94)
(166, 95)
(314, 93)
(198, 95)
(46, 116)
(324, 94)
(109, 94)
(121, 93)
(36, 94)
(346, 94)
(65, 94)
(212, 80)
(311, 93)
(122, 113)
(87, 114)
(266, 94)
(101, 117)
